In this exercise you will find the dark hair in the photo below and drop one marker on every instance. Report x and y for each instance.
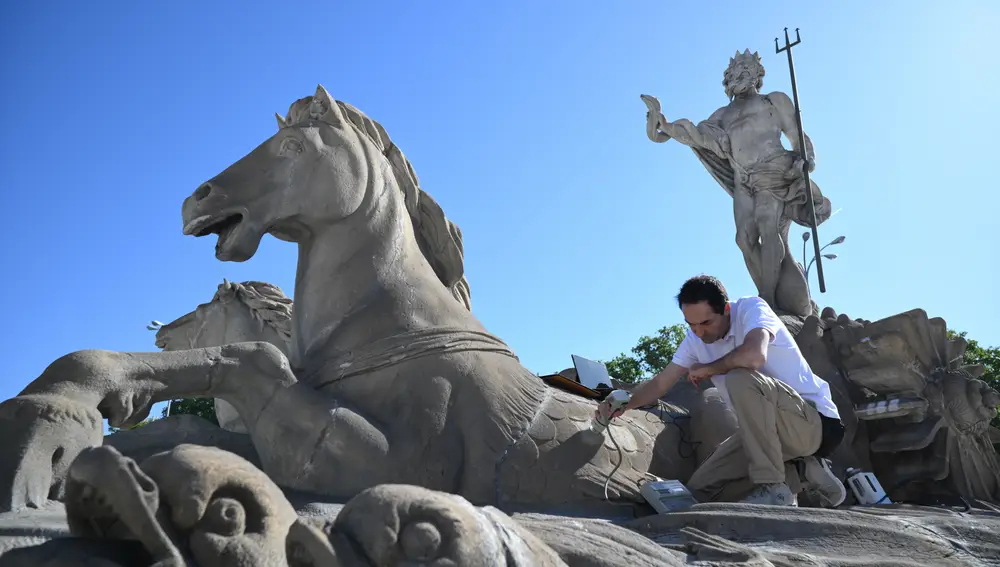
(704, 288)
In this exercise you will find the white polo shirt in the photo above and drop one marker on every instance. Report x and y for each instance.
(784, 359)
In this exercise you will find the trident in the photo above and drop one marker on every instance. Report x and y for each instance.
(802, 150)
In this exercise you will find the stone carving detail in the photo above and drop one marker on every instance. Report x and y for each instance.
(740, 146)
(198, 506)
(238, 312)
(925, 414)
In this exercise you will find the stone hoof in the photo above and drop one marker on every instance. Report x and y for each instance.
(42, 434)
(308, 545)
(408, 525)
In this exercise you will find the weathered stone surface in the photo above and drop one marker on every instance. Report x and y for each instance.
(198, 506)
(923, 416)
(740, 146)
(164, 434)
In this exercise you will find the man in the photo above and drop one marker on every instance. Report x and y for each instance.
(740, 146)
(785, 412)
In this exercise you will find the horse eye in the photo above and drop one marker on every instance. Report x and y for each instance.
(290, 147)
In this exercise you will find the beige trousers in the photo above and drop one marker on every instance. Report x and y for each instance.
(775, 426)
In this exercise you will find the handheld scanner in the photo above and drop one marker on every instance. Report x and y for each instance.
(616, 400)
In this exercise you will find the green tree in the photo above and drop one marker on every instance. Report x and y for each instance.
(201, 407)
(649, 356)
(136, 426)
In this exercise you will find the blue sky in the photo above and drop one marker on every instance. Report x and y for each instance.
(523, 119)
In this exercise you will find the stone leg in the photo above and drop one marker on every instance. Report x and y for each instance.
(748, 238)
(773, 244)
(59, 414)
(775, 426)
(229, 418)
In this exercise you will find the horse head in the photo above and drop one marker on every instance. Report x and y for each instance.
(327, 163)
(315, 170)
(238, 312)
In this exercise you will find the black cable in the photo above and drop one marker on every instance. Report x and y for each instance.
(668, 418)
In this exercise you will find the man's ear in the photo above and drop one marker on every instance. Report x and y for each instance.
(725, 309)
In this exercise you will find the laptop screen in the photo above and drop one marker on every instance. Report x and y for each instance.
(590, 373)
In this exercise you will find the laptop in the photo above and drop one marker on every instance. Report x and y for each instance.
(591, 373)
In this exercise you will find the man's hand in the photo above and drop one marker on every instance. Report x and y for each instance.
(700, 372)
(603, 411)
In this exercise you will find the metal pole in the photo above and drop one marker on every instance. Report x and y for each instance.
(802, 150)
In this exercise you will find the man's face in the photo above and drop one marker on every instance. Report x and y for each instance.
(706, 324)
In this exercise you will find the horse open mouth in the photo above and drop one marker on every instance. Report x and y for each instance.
(222, 225)
(205, 225)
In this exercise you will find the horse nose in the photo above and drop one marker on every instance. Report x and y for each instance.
(204, 191)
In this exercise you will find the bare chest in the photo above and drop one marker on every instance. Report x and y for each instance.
(750, 114)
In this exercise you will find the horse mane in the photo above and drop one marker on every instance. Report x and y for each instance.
(439, 238)
(266, 303)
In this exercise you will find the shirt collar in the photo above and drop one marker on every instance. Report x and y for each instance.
(732, 317)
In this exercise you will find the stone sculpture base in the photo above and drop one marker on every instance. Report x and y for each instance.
(222, 511)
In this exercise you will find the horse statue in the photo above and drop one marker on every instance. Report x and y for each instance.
(238, 312)
(389, 377)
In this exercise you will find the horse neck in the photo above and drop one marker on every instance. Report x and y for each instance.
(248, 327)
(364, 279)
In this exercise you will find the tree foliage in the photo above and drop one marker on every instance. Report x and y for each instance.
(201, 407)
(136, 426)
(648, 357)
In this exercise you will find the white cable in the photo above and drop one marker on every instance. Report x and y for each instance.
(621, 458)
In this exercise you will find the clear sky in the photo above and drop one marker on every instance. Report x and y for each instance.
(523, 120)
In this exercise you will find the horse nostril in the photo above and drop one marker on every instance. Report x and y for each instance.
(202, 192)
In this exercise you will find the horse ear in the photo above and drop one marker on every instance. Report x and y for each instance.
(281, 121)
(324, 108)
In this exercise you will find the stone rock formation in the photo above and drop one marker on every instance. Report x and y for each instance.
(923, 416)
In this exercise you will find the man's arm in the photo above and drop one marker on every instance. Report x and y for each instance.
(761, 326)
(789, 126)
(653, 389)
(752, 355)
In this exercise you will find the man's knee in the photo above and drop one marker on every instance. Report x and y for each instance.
(743, 379)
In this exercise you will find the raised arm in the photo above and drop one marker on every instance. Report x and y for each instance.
(706, 135)
(789, 127)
